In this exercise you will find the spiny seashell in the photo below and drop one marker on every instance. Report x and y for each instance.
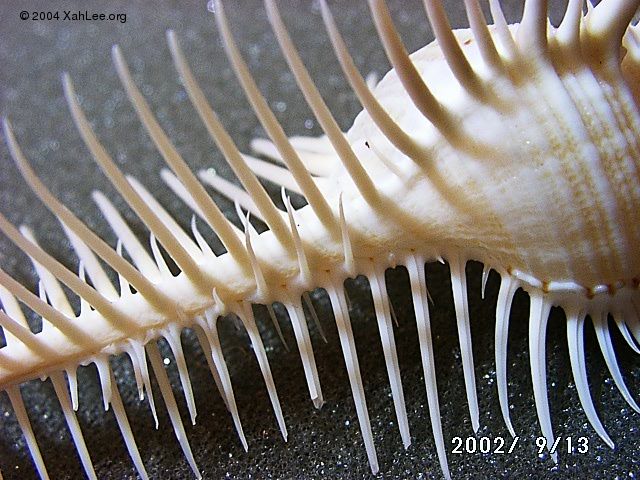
(530, 167)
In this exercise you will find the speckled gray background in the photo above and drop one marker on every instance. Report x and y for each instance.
(322, 444)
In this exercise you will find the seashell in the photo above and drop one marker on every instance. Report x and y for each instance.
(523, 157)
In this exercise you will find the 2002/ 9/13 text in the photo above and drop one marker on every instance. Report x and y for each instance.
(498, 445)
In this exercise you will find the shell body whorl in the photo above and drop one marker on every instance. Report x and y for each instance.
(564, 142)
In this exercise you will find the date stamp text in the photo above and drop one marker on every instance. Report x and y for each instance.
(500, 445)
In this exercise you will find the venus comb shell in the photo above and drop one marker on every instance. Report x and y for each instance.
(516, 147)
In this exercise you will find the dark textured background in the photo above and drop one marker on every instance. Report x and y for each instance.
(325, 443)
